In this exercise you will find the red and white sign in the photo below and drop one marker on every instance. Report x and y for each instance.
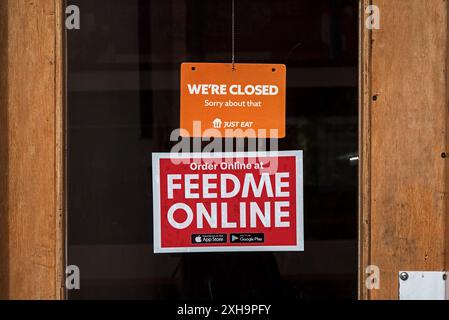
(228, 202)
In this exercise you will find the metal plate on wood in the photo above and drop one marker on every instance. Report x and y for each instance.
(422, 285)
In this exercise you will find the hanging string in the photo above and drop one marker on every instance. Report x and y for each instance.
(233, 36)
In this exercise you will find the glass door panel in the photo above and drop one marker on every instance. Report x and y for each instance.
(123, 103)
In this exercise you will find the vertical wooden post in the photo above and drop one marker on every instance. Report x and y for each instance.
(364, 148)
(4, 252)
(31, 154)
(446, 151)
(404, 134)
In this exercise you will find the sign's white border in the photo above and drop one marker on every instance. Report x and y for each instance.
(299, 202)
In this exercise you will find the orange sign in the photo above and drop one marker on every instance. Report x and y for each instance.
(245, 102)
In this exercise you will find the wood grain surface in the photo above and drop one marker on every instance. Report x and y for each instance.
(4, 235)
(403, 136)
(31, 125)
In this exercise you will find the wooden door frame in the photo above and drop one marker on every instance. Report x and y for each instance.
(402, 208)
(403, 142)
(365, 36)
(31, 153)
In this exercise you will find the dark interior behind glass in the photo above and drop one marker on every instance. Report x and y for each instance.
(123, 103)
